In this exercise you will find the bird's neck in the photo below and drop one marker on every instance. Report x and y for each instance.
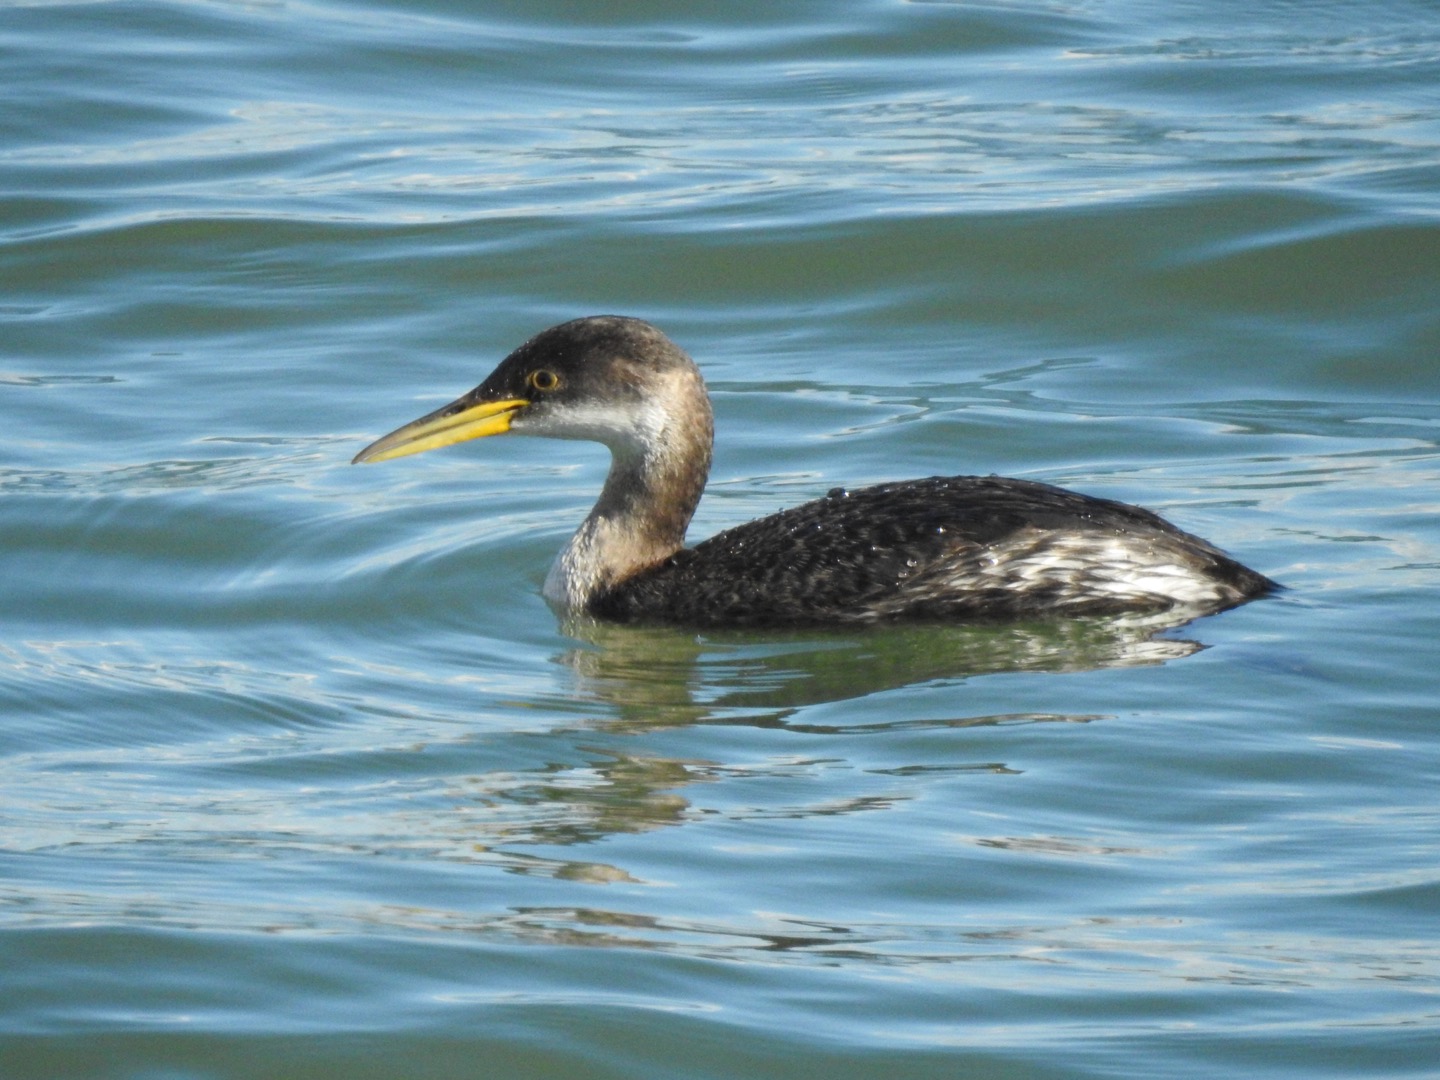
(655, 482)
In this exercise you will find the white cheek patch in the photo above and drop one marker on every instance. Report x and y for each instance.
(622, 427)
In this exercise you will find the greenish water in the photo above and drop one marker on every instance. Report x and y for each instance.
(300, 777)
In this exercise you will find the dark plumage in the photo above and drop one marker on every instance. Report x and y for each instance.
(962, 548)
(923, 549)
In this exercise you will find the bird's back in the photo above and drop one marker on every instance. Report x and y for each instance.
(963, 547)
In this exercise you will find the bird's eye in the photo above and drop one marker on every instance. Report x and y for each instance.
(543, 380)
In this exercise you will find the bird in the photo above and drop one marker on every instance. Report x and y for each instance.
(949, 548)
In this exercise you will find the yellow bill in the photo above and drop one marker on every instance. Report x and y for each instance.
(444, 427)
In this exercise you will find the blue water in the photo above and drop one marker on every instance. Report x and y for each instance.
(300, 777)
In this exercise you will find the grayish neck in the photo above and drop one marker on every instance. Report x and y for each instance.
(659, 464)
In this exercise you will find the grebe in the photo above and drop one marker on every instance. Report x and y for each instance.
(956, 548)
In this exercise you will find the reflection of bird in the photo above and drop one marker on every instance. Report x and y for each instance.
(960, 547)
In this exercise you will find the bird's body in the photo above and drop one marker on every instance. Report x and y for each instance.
(957, 548)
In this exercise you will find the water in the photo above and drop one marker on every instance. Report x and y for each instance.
(299, 776)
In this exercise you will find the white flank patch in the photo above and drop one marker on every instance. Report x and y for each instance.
(1086, 566)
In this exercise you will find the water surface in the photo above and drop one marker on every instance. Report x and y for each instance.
(299, 775)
